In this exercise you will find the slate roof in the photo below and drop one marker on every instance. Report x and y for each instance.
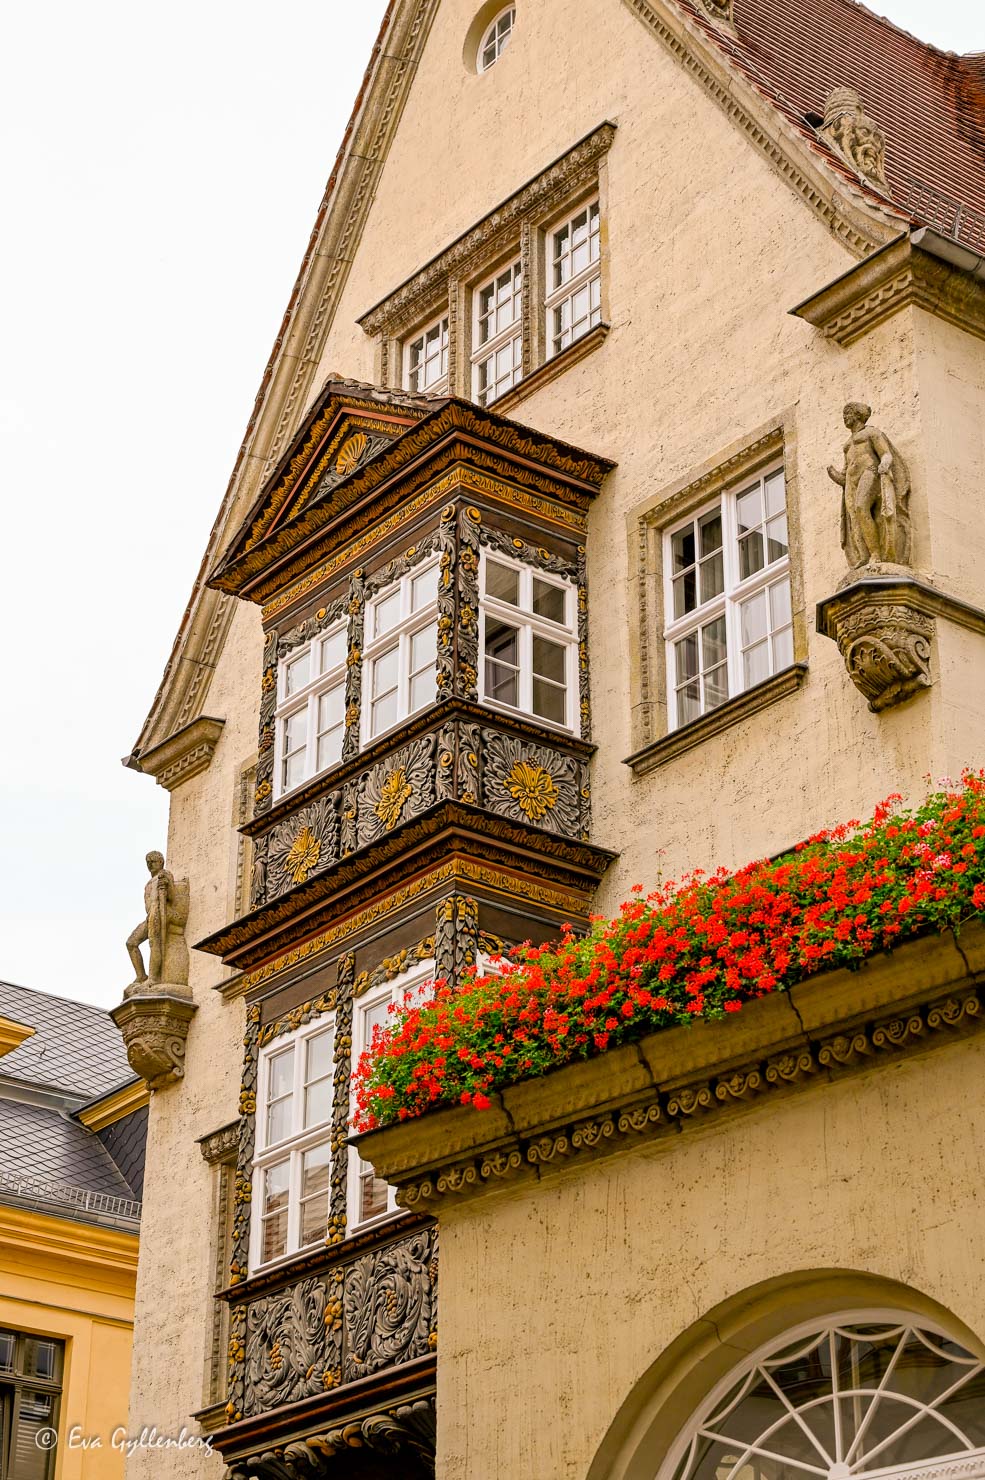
(49, 1150)
(75, 1047)
(930, 104)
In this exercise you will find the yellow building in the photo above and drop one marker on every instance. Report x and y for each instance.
(73, 1127)
(611, 508)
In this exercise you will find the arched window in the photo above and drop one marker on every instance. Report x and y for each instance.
(496, 38)
(864, 1395)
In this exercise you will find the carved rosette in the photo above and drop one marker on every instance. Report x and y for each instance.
(396, 789)
(304, 844)
(154, 1026)
(293, 1344)
(531, 784)
(884, 636)
(390, 1305)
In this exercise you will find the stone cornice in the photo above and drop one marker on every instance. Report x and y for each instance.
(491, 235)
(116, 1106)
(895, 277)
(920, 595)
(183, 755)
(925, 994)
(221, 1145)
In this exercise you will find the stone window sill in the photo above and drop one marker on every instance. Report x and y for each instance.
(550, 368)
(668, 747)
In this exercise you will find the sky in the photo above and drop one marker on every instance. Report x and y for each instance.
(161, 174)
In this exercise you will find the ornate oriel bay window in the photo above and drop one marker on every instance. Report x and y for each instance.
(513, 298)
(422, 800)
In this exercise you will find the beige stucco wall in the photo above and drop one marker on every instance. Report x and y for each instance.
(559, 1299)
(707, 249)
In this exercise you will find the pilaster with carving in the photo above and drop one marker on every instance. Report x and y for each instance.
(338, 1196)
(467, 637)
(264, 790)
(456, 936)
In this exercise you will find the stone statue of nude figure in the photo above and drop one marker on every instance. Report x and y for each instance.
(163, 929)
(875, 505)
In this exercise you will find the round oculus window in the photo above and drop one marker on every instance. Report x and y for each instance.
(496, 38)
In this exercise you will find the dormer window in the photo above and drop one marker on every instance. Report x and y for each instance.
(401, 651)
(529, 642)
(310, 720)
(496, 38)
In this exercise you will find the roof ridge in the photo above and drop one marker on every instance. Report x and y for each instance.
(57, 997)
(885, 20)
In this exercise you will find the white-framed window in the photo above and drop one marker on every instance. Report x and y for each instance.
(370, 1198)
(574, 277)
(293, 1161)
(728, 619)
(310, 719)
(529, 637)
(496, 38)
(401, 650)
(497, 334)
(870, 1392)
(427, 358)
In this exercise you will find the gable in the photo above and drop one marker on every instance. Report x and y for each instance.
(739, 68)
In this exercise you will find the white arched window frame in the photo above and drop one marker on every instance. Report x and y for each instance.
(871, 1393)
(496, 38)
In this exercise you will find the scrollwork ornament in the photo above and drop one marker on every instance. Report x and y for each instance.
(396, 789)
(264, 788)
(293, 1346)
(354, 665)
(447, 603)
(304, 844)
(467, 635)
(389, 1301)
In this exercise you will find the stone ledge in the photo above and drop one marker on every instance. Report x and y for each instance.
(551, 368)
(732, 712)
(921, 995)
(183, 755)
(895, 277)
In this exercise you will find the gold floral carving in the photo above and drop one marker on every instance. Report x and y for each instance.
(533, 790)
(395, 793)
(303, 856)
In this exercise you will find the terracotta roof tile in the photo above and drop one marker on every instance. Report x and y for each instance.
(930, 104)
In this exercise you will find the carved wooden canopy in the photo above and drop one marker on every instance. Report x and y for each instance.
(359, 453)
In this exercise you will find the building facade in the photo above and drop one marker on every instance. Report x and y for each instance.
(608, 510)
(74, 1125)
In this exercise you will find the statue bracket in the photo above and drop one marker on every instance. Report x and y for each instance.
(883, 621)
(154, 1025)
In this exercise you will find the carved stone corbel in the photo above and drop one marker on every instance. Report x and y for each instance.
(154, 1026)
(884, 633)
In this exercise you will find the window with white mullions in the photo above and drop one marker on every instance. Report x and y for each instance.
(292, 1168)
(574, 301)
(729, 622)
(401, 651)
(529, 641)
(427, 359)
(497, 338)
(310, 722)
(496, 38)
(370, 1198)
